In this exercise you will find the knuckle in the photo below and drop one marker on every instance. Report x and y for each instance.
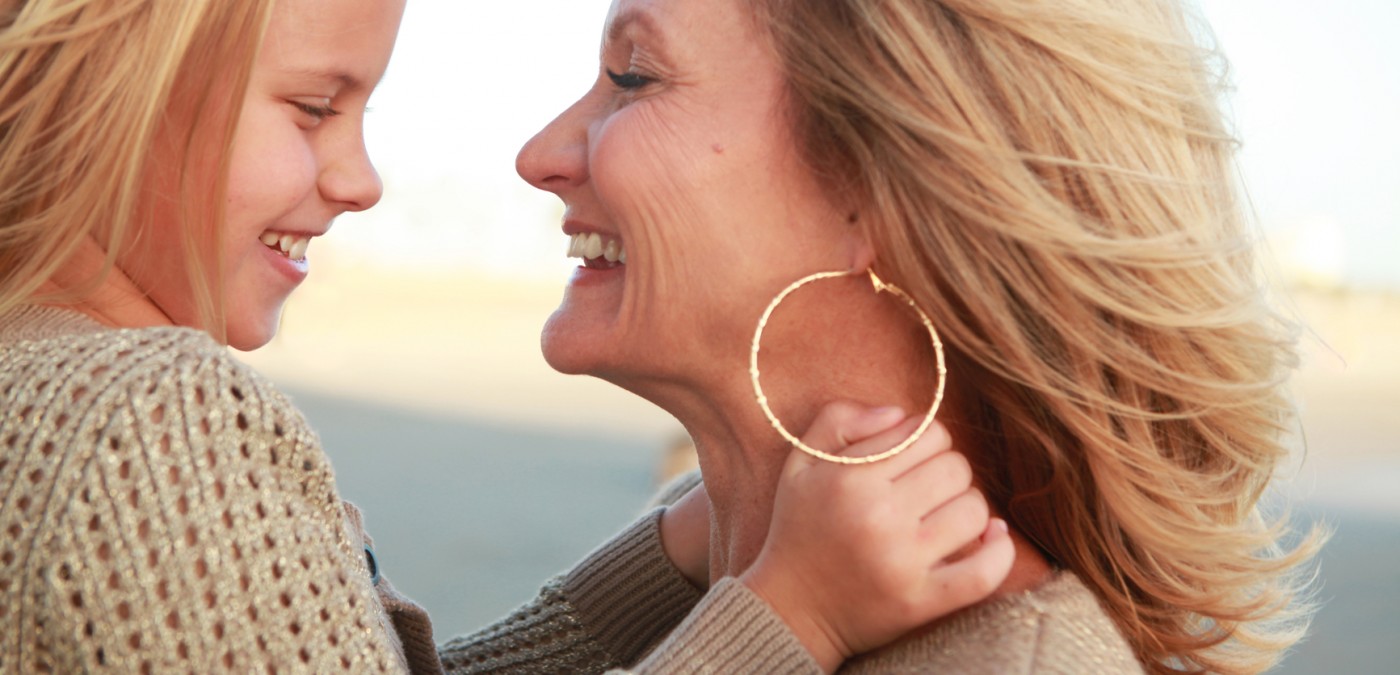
(838, 412)
(939, 436)
(960, 467)
(981, 581)
(976, 505)
(955, 469)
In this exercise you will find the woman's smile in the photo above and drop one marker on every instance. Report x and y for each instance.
(686, 201)
(598, 252)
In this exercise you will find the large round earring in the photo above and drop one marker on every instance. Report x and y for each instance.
(880, 287)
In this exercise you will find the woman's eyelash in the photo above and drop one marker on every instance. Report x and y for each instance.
(629, 80)
(320, 112)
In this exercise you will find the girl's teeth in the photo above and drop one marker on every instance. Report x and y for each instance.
(611, 251)
(289, 245)
(298, 250)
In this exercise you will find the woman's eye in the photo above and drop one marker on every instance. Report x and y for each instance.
(319, 112)
(629, 80)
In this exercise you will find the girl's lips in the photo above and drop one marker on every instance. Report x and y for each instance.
(294, 271)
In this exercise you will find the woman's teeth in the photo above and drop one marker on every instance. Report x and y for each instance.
(592, 247)
(289, 245)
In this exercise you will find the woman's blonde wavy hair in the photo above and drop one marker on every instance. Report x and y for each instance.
(1054, 183)
(86, 92)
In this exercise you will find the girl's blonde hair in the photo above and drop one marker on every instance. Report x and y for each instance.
(87, 89)
(1053, 182)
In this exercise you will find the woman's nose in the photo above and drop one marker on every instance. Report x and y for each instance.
(351, 180)
(556, 159)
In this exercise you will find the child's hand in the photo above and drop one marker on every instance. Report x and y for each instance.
(857, 555)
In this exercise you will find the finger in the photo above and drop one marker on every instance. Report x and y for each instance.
(834, 421)
(933, 482)
(972, 579)
(954, 525)
(934, 440)
(840, 423)
(822, 434)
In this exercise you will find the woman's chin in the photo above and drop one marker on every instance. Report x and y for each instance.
(575, 343)
(564, 363)
(567, 347)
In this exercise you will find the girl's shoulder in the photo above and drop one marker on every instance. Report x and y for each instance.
(67, 367)
(150, 479)
(90, 398)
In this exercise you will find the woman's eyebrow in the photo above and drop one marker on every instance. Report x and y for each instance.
(642, 19)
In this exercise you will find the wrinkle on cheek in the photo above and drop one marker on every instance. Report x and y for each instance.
(656, 178)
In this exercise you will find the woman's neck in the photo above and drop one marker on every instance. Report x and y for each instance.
(741, 459)
(834, 340)
(107, 296)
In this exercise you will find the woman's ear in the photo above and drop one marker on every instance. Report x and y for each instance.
(860, 253)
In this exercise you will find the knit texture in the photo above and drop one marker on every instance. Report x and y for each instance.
(165, 509)
(1058, 627)
(732, 631)
(604, 613)
(617, 605)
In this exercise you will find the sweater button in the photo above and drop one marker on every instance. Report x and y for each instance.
(373, 566)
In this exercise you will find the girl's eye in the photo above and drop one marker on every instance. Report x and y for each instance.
(319, 112)
(629, 80)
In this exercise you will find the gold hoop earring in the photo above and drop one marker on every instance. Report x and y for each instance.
(880, 287)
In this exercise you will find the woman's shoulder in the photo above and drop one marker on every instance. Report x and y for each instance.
(1058, 627)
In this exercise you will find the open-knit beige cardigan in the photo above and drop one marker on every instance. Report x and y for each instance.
(165, 509)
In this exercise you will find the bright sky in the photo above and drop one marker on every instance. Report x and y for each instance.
(1317, 104)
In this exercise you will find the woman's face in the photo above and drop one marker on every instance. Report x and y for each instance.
(297, 161)
(681, 160)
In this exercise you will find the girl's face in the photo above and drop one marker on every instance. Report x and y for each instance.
(298, 160)
(681, 157)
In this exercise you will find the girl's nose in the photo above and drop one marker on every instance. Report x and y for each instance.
(352, 181)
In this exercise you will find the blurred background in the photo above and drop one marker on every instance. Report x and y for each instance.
(413, 347)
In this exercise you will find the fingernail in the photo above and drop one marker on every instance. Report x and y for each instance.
(889, 410)
(1000, 526)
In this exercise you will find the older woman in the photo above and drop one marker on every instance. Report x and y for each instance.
(1051, 184)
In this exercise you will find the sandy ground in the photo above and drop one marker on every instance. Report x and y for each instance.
(483, 472)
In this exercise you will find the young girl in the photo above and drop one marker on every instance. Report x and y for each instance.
(164, 166)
